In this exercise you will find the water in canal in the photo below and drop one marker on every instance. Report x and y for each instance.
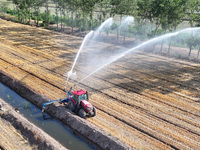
(51, 126)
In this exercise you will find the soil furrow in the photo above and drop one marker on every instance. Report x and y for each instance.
(146, 100)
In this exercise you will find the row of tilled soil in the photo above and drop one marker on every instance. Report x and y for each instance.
(182, 116)
(121, 96)
(18, 69)
(138, 100)
(15, 60)
(24, 74)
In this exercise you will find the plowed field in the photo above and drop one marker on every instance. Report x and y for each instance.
(11, 138)
(146, 100)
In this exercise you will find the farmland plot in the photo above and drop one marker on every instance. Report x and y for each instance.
(146, 100)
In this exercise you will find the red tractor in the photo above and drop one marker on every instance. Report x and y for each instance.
(77, 102)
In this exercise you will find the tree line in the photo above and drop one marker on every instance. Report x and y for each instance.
(153, 17)
(167, 14)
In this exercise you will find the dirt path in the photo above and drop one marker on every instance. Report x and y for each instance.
(11, 138)
(145, 100)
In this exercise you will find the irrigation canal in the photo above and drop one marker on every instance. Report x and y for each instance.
(52, 127)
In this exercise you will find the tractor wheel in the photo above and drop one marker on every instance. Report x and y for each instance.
(71, 105)
(94, 111)
(82, 113)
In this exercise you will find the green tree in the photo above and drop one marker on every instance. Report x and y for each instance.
(23, 8)
(192, 41)
(88, 7)
(193, 11)
(73, 6)
(4, 6)
(17, 5)
(104, 8)
(125, 7)
(47, 13)
(28, 5)
(36, 6)
(144, 10)
(56, 11)
(61, 4)
(168, 14)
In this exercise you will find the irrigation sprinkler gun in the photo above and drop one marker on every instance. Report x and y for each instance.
(77, 101)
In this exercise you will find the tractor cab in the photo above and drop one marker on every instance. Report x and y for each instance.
(79, 103)
(79, 95)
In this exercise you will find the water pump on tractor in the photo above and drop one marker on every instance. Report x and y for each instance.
(77, 102)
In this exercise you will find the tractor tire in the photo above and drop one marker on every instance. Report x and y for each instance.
(82, 113)
(94, 111)
(71, 105)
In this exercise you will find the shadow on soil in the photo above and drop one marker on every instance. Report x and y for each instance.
(153, 74)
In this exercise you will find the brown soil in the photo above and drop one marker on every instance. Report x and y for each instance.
(11, 138)
(146, 100)
(18, 133)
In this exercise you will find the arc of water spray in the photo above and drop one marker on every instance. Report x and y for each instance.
(128, 20)
(71, 71)
(160, 38)
(137, 47)
(107, 23)
(109, 62)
